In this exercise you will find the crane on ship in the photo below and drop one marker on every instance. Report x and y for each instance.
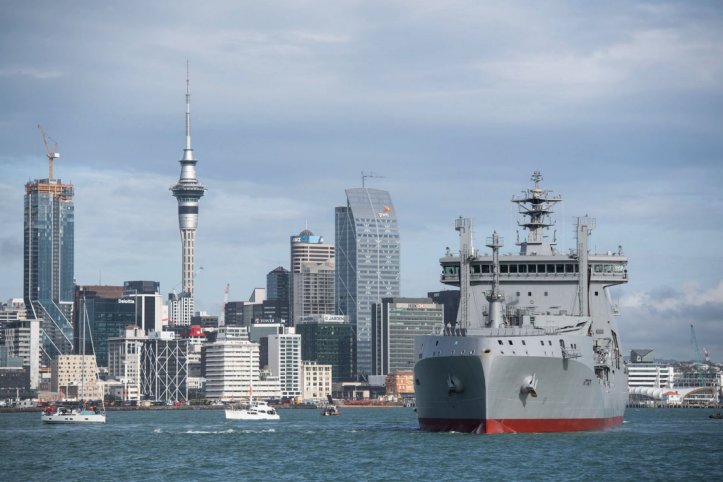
(51, 154)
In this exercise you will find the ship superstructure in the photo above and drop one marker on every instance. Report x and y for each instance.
(536, 346)
(187, 191)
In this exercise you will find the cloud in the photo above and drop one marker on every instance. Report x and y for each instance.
(660, 319)
(30, 72)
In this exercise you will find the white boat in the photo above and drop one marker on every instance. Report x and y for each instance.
(255, 410)
(84, 411)
(82, 414)
(330, 411)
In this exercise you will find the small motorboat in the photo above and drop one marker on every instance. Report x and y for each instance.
(330, 411)
(717, 416)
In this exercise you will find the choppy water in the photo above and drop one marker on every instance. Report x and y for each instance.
(361, 444)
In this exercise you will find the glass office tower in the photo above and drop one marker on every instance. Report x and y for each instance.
(48, 263)
(367, 263)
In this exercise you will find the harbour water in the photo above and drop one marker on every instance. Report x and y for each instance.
(360, 444)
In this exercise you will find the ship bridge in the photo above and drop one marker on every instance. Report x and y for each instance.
(608, 269)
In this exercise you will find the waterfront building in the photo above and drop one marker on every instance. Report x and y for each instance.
(49, 237)
(124, 361)
(14, 378)
(196, 339)
(315, 380)
(230, 367)
(643, 371)
(164, 372)
(328, 340)
(73, 375)
(22, 340)
(367, 249)
(310, 250)
(285, 361)
(395, 324)
(187, 192)
(400, 384)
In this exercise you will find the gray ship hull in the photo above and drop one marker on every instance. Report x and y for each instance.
(468, 384)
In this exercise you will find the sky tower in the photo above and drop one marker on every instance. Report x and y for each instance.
(187, 191)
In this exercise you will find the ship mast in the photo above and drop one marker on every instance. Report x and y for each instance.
(495, 297)
(536, 204)
(584, 228)
(466, 252)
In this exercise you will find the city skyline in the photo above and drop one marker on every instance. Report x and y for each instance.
(455, 104)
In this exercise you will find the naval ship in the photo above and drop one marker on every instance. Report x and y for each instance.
(536, 345)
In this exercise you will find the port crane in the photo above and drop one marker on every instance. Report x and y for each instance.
(51, 154)
(699, 360)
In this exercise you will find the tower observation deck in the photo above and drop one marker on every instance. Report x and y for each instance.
(188, 191)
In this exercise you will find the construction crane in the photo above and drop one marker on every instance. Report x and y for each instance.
(51, 154)
(222, 318)
(698, 363)
(367, 175)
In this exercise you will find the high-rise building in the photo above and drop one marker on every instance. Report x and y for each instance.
(277, 295)
(285, 362)
(124, 361)
(230, 366)
(308, 250)
(367, 251)
(314, 289)
(187, 191)
(164, 372)
(328, 339)
(395, 324)
(148, 303)
(277, 284)
(22, 340)
(108, 313)
(48, 262)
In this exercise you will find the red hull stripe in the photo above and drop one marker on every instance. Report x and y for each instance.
(518, 425)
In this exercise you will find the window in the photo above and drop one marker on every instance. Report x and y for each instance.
(503, 268)
(522, 268)
(550, 268)
(499, 342)
(513, 268)
(509, 341)
(532, 268)
(569, 268)
(540, 268)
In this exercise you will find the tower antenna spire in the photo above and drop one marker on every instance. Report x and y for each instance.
(188, 151)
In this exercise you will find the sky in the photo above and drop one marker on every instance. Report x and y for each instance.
(452, 104)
